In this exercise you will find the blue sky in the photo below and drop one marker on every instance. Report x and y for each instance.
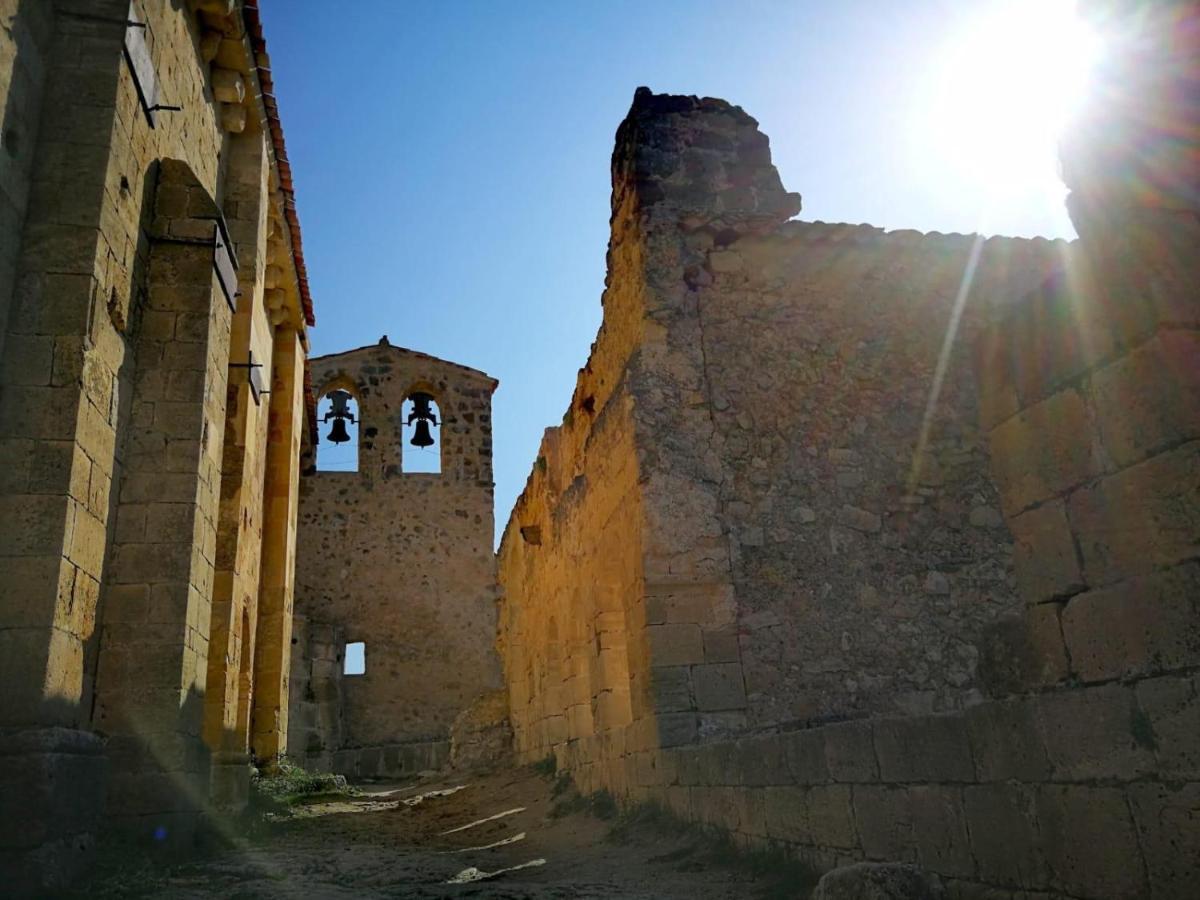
(451, 158)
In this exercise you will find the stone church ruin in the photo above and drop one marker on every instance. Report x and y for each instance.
(852, 545)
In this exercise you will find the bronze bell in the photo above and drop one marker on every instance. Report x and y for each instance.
(421, 435)
(339, 411)
(339, 401)
(423, 416)
(338, 434)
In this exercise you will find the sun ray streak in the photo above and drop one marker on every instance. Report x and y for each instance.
(939, 372)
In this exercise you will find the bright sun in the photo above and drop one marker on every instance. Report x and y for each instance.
(1003, 89)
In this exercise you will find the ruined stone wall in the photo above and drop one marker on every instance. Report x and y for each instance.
(114, 389)
(829, 559)
(800, 558)
(846, 465)
(572, 613)
(572, 630)
(400, 561)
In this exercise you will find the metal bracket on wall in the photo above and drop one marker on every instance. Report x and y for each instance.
(137, 54)
(256, 382)
(226, 264)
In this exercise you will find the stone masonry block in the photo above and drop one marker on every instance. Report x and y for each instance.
(675, 645)
(786, 812)
(36, 590)
(35, 525)
(763, 760)
(924, 748)
(1142, 518)
(1004, 838)
(687, 765)
(677, 728)
(1167, 818)
(939, 825)
(1144, 625)
(806, 756)
(16, 459)
(730, 763)
(1149, 399)
(1095, 733)
(1053, 336)
(884, 820)
(752, 818)
(672, 688)
(720, 645)
(1023, 651)
(710, 764)
(40, 412)
(679, 801)
(716, 806)
(1089, 841)
(28, 361)
(55, 776)
(719, 686)
(682, 604)
(997, 386)
(57, 464)
(831, 816)
(1044, 555)
(1044, 451)
(1006, 742)
(850, 752)
(1173, 708)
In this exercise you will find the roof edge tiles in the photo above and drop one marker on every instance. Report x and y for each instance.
(250, 11)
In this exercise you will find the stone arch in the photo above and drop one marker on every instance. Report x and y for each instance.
(349, 459)
(431, 460)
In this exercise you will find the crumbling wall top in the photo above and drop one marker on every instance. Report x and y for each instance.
(702, 161)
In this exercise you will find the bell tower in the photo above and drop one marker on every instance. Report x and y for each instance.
(395, 575)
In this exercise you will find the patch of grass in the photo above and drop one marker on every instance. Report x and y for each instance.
(562, 784)
(599, 803)
(289, 784)
(603, 806)
(643, 817)
(573, 803)
(547, 766)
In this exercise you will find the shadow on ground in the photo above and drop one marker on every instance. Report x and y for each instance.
(437, 837)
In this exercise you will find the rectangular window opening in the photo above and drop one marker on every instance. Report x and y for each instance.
(354, 660)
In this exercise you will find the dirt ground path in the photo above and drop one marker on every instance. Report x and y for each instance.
(412, 841)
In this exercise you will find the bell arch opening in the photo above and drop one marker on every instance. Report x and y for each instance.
(339, 423)
(420, 434)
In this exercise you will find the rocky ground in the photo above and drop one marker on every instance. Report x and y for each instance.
(435, 837)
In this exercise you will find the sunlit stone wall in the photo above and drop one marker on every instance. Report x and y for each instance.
(915, 516)
(133, 459)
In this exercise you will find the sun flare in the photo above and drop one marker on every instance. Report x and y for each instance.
(1004, 88)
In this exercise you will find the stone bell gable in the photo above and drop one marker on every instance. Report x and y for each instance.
(397, 560)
